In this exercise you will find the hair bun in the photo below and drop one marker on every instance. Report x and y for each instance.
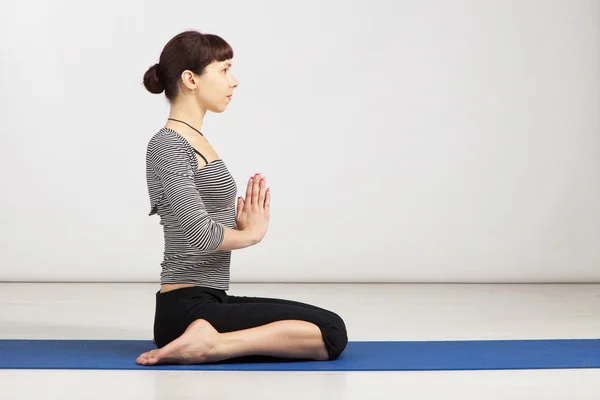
(152, 80)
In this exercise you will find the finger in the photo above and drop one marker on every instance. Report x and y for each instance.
(255, 190)
(240, 205)
(261, 193)
(249, 189)
(268, 200)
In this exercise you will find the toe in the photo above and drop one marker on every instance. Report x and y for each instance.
(142, 359)
(152, 357)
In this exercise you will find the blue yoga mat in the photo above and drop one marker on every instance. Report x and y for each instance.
(358, 356)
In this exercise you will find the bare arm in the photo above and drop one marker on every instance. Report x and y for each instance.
(234, 239)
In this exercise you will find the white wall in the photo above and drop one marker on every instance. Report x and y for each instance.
(402, 140)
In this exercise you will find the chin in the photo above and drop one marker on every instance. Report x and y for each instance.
(218, 110)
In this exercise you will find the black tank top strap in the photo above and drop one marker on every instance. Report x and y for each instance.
(200, 154)
(201, 134)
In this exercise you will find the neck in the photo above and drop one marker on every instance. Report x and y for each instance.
(187, 112)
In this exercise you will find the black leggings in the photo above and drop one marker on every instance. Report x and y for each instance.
(177, 309)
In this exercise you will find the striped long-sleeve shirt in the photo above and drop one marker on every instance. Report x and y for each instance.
(195, 204)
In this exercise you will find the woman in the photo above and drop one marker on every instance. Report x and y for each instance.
(194, 194)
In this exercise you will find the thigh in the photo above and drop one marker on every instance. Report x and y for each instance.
(270, 300)
(252, 312)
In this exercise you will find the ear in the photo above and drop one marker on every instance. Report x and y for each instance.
(189, 80)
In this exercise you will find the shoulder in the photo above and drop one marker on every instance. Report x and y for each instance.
(166, 143)
(164, 138)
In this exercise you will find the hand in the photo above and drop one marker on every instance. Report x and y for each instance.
(253, 213)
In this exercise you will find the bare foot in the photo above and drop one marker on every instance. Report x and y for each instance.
(192, 347)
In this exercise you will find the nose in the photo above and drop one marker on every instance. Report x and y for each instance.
(234, 82)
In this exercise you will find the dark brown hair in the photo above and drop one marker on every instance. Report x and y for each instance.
(189, 50)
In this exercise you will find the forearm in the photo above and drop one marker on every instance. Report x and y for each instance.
(234, 239)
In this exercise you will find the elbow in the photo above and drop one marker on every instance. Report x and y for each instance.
(209, 238)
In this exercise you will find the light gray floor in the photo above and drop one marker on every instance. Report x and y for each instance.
(371, 312)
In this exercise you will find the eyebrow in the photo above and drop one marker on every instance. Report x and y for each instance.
(228, 64)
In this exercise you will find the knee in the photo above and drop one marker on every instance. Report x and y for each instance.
(336, 336)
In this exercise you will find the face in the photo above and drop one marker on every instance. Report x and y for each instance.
(213, 89)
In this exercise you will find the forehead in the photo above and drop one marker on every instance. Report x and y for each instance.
(223, 63)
